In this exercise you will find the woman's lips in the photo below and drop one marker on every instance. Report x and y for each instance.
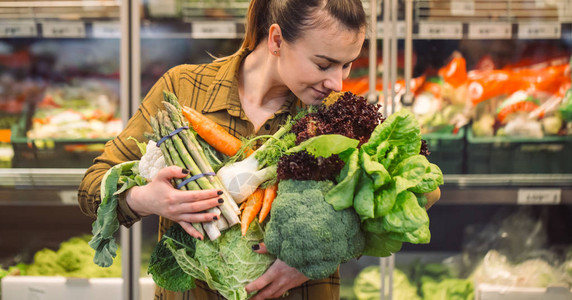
(320, 94)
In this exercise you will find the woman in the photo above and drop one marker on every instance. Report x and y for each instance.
(294, 50)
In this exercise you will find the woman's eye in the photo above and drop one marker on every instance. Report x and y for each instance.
(347, 65)
(323, 68)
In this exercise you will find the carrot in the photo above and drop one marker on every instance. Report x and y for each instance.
(269, 195)
(253, 205)
(213, 133)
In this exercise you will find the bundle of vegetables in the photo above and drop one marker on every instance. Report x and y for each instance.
(339, 182)
(181, 148)
(381, 183)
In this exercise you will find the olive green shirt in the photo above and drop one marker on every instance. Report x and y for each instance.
(211, 89)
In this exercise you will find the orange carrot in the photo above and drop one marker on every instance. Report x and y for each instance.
(253, 205)
(213, 133)
(269, 195)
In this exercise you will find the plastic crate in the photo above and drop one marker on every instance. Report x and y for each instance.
(517, 155)
(52, 153)
(447, 150)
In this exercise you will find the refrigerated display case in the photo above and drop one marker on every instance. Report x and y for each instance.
(59, 104)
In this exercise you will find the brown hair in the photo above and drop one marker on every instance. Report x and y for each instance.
(293, 16)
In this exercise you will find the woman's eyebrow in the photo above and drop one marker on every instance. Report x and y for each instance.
(332, 60)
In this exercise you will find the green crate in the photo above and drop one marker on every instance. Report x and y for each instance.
(517, 155)
(447, 150)
(52, 153)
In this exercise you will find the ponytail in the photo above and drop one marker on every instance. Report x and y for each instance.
(257, 23)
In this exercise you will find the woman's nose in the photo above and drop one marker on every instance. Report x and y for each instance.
(334, 81)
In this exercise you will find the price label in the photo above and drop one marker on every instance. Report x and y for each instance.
(539, 30)
(564, 11)
(400, 29)
(36, 293)
(217, 29)
(68, 197)
(18, 29)
(539, 196)
(430, 30)
(490, 31)
(106, 30)
(462, 8)
(63, 29)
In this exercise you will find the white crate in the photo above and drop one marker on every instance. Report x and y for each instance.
(498, 292)
(62, 288)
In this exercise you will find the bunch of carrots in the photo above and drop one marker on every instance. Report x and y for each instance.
(257, 204)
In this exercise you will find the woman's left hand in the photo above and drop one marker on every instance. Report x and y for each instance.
(276, 281)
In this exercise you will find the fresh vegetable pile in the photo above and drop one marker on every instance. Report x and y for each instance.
(333, 183)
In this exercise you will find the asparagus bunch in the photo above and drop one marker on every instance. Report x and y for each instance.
(184, 150)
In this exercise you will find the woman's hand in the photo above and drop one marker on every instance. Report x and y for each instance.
(184, 207)
(432, 197)
(276, 281)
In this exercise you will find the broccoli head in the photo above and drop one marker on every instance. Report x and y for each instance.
(307, 233)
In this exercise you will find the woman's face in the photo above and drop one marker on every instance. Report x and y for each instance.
(317, 62)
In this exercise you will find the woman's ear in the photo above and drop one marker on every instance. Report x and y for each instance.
(274, 39)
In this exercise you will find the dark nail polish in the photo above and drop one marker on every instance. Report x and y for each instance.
(255, 247)
(185, 171)
(219, 193)
(200, 238)
(220, 200)
(215, 218)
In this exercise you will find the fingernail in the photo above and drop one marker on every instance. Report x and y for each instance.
(200, 238)
(255, 247)
(215, 218)
(220, 200)
(185, 171)
(219, 193)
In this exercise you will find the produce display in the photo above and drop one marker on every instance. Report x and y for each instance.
(73, 258)
(372, 194)
(433, 281)
(517, 100)
(84, 110)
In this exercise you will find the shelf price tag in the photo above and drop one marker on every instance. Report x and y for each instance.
(431, 30)
(106, 30)
(539, 30)
(399, 29)
(490, 31)
(63, 29)
(18, 29)
(214, 29)
(539, 196)
(462, 8)
(68, 197)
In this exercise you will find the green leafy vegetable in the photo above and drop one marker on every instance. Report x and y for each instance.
(163, 266)
(106, 224)
(367, 285)
(226, 264)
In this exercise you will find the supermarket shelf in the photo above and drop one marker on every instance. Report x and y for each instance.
(59, 10)
(483, 30)
(507, 189)
(458, 189)
(28, 178)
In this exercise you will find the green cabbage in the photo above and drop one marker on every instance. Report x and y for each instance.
(226, 264)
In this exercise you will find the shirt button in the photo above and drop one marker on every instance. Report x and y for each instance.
(267, 126)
